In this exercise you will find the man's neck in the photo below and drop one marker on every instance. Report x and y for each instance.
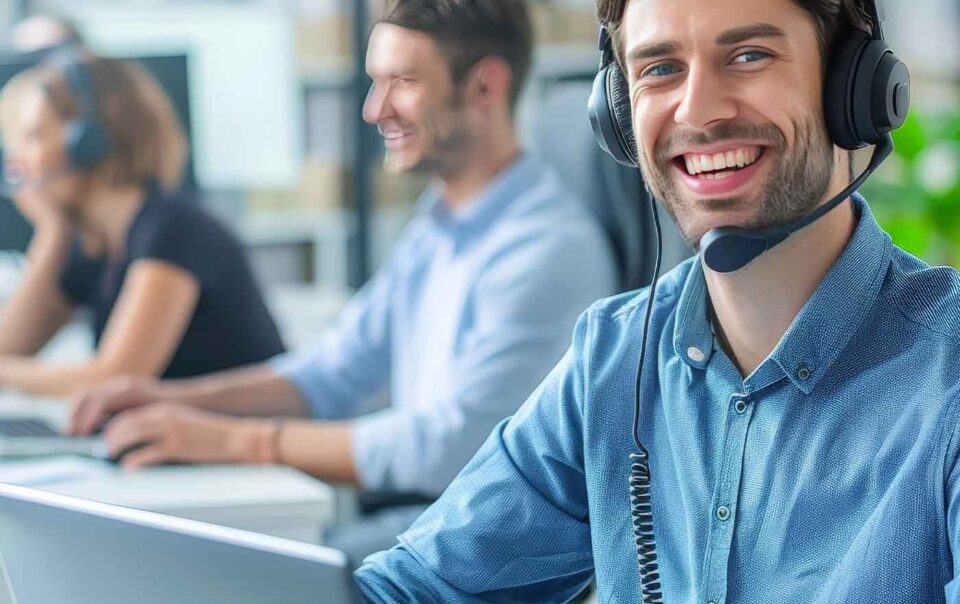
(480, 165)
(754, 307)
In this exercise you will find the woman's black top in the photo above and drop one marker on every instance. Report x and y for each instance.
(230, 327)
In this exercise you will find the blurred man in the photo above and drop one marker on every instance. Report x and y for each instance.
(470, 312)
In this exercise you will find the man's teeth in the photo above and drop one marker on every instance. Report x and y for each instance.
(739, 158)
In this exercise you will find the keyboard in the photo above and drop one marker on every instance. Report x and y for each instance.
(26, 428)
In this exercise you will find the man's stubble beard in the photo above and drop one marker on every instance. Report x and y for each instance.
(793, 189)
(443, 139)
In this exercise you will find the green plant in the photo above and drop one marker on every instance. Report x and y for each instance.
(916, 193)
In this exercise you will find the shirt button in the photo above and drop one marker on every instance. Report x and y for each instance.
(711, 602)
(723, 512)
(740, 406)
(803, 373)
(696, 355)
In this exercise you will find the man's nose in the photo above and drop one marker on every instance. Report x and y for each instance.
(705, 100)
(376, 106)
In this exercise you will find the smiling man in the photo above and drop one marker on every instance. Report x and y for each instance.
(466, 317)
(798, 411)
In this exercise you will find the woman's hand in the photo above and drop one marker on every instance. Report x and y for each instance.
(43, 213)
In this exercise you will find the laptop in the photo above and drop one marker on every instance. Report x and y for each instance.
(34, 436)
(56, 549)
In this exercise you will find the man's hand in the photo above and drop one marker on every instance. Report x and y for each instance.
(168, 432)
(93, 408)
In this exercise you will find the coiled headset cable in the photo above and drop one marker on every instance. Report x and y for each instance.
(641, 504)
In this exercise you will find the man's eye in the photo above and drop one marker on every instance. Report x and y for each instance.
(659, 70)
(750, 56)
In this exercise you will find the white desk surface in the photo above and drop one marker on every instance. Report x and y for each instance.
(275, 500)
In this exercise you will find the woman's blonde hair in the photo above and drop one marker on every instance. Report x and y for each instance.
(146, 141)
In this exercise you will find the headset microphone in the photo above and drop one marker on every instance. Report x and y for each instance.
(14, 183)
(730, 248)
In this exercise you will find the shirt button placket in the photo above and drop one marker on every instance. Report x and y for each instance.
(731, 472)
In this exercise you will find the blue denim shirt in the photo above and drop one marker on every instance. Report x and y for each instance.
(838, 471)
(466, 317)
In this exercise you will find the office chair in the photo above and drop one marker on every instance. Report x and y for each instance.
(562, 136)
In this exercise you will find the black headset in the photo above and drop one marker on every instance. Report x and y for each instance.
(85, 138)
(866, 95)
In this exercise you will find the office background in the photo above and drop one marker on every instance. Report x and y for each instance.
(280, 153)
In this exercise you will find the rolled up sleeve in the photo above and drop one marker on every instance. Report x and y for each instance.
(352, 361)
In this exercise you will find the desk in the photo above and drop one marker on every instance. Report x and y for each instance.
(274, 500)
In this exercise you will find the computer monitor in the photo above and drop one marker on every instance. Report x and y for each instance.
(171, 72)
(55, 548)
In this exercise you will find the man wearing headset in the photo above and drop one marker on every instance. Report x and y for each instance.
(469, 313)
(796, 439)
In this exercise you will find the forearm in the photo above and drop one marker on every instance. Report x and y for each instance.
(321, 449)
(37, 308)
(49, 379)
(255, 390)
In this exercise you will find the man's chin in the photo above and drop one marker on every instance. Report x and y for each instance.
(397, 163)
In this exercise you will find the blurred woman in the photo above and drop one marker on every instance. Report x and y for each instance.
(95, 154)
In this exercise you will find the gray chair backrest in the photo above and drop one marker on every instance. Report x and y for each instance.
(616, 194)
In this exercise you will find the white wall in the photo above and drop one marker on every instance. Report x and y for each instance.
(245, 100)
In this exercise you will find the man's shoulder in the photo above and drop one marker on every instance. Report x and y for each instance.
(926, 296)
(543, 205)
(549, 222)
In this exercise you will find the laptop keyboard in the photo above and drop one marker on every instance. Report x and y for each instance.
(26, 428)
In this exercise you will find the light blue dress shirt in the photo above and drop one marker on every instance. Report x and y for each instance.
(835, 462)
(463, 321)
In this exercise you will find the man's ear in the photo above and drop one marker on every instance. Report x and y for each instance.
(488, 83)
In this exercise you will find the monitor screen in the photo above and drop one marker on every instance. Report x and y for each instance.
(171, 72)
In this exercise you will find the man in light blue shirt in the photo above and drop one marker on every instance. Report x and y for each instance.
(800, 413)
(467, 316)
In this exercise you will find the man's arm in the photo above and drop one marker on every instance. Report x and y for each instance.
(179, 433)
(254, 390)
(351, 363)
(514, 524)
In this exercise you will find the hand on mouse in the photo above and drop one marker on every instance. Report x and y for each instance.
(168, 432)
(93, 407)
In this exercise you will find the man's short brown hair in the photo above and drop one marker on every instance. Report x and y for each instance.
(467, 31)
(831, 17)
(147, 144)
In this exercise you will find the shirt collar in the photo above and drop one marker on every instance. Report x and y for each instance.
(825, 324)
(476, 215)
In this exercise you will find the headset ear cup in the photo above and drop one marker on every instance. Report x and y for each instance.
(619, 99)
(838, 106)
(606, 119)
(85, 143)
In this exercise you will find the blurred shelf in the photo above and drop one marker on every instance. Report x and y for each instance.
(335, 74)
(262, 228)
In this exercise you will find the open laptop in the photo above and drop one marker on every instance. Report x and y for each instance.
(35, 436)
(56, 549)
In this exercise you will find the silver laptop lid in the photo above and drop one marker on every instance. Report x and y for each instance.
(61, 549)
